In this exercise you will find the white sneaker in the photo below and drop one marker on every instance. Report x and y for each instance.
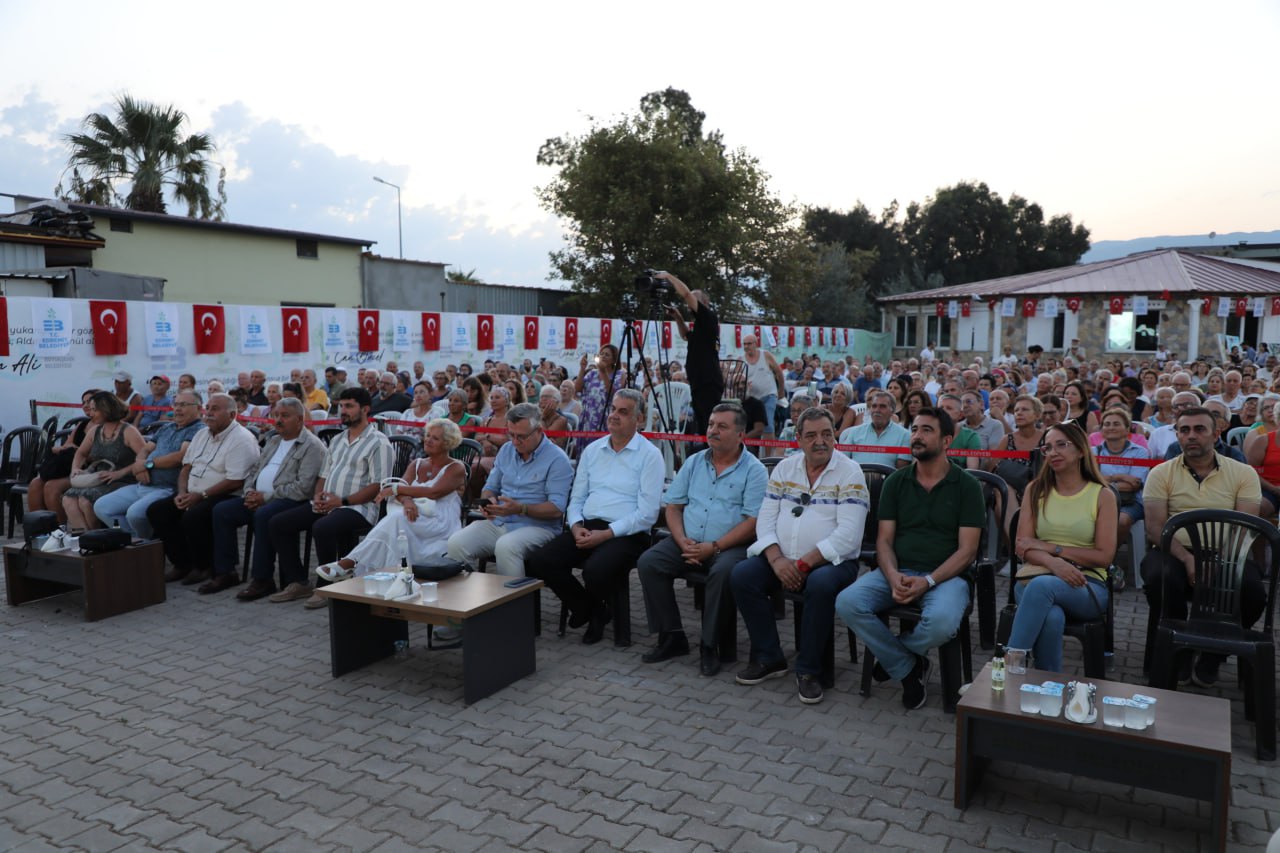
(333, 572)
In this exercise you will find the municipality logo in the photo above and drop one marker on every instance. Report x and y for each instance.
(253, 326)
(52, 325)
(163, 326)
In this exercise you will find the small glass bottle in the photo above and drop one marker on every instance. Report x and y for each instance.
(997, 669)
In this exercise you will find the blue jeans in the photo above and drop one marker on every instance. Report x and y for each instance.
(129, 507)
(753, 581)
(770, 403)
(941, 609)
(228, 517)
(1044, 603)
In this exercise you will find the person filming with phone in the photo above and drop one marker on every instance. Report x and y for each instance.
(702, 364)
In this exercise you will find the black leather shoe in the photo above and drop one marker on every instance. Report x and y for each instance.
(710, 661)
(669, 646)
(219, 583)
(255, 590)
(175, 574)
(600, 616)
(198, 576)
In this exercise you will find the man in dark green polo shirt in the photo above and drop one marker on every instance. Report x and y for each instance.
(930, 516)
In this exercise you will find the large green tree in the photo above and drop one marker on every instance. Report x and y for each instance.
(654, 190)
(138, 156)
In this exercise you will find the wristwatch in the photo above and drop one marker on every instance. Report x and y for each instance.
(346, 502)
(149, 465)
(929, 580)
(1057, 550)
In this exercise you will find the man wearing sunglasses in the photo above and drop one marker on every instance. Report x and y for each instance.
(808, 537)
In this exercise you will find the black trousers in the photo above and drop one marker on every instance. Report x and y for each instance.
(187, 535)
(602, 566)
(705, 396)
(334, 534)
(1169, 591)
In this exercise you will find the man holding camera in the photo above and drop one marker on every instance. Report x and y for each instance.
(702, 365)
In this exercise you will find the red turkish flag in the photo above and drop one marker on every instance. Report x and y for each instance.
(570, 332)
(791, 336)
(293, 324)
(484, 332)
(822, 336)
(1117, 305)
(737, 336)
(777, 338)
(1242, 306)
(637, 332)
(1275, 306)
(666, 335)
(759, 337)
(110, 327)
(4, 325)
(430, 331)
(1205, 309)
(368, 331)
(606, 332)
(964, 308)
(1073, 304)
(940, 309)
(1028, 308)
(530, 332)
(210, 329)
(992, 305)
(808, 336)
(1164, 294)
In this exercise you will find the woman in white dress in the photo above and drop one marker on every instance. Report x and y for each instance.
(437, 476)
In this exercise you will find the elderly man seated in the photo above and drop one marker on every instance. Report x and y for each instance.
(878, 430)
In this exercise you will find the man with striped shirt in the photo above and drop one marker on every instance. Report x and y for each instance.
(342, 508)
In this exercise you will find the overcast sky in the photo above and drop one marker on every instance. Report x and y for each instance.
(1136, 118)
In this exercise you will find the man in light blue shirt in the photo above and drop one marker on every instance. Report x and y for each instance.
(712, 506)
(878, 429)
(612, 507)
(527, 493)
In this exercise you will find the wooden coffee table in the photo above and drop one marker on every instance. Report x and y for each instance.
(497, 628)
(115, 582)
(1187, 752)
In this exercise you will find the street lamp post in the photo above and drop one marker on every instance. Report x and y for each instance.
(399, 220)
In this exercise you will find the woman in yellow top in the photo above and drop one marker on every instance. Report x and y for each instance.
(1066, 539)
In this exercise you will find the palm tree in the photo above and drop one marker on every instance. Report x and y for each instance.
(460, 277)
(142, 147)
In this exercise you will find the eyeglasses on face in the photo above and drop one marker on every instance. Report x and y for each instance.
(805, 500)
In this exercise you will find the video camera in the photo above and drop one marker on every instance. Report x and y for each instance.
(657, 290)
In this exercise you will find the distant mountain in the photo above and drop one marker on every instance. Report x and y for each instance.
(1105, 250)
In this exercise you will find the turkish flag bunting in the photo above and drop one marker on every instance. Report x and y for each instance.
(1205, 308)
(637, 332)
(210, 328)
(666, 334)
(368, 331)
(570, 332)
(737, 336)
(484, 332)
(530, 332)
(1275, 306)
(759, 337)
(940, 309)
(964, 308)
(808, 336)
(606, 332)
(1242, 306)
(1028, 308)
(777, 338)
(822, 336)
(4, 325)
(110, 327)
(293, 322)
(1117, 305)
(992, 305)
(1073, 304)
(791, 336)
(1164, 294)
(430, 331)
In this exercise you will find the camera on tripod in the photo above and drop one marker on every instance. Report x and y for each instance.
(657, 290)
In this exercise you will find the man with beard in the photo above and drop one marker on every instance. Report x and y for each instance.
(342, 506)
(930, 515)
(808, 537)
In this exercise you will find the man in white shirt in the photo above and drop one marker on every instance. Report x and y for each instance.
(926, 354)
(808, 538)
(216, 464)
(1162, 438)
(612, 507)
(284, 477)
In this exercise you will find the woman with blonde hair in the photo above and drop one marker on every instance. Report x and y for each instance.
(1066, 539)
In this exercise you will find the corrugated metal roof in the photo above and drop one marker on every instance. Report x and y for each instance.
(212, 225)
(1147, 272)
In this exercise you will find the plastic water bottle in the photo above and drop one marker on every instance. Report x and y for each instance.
(402, 546)
(997, 669)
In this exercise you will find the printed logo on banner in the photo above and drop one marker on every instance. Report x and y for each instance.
(1140, 305)
(555, 341)
(254, 338)
(52, 322)
(461, 326)
(401, 338)
(335, 330)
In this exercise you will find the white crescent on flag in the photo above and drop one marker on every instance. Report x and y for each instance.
(531, 325)
(208, 330)
(431, 323)
(484, 325)
(295, 320)
(368, 322)
(102, 318)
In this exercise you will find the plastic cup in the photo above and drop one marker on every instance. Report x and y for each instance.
(1051, 700)
(1029, 696)
(430, 591)
(1151, 707)
(1113, 711)
(1015, 661)
(1135, 714)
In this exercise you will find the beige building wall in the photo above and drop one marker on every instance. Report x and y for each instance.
(225, 266)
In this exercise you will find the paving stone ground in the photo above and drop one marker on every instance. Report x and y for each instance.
(207, 724)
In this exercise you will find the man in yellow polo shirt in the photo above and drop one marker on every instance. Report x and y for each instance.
(1200, 478)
